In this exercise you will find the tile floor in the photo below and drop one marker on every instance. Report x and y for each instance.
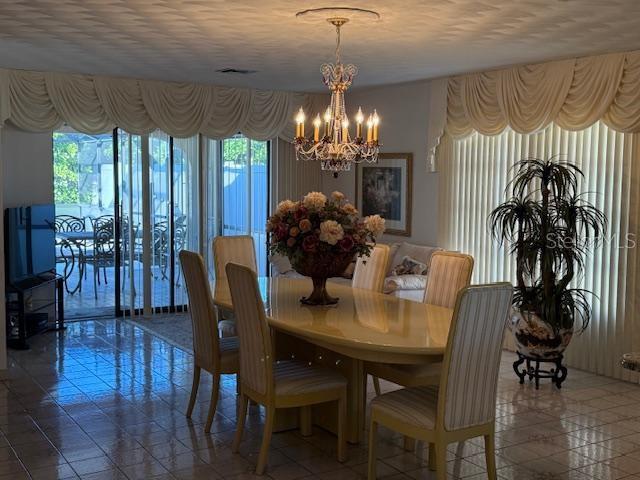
(87, 303)
(105, 400)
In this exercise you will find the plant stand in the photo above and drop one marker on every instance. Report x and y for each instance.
(557, 374)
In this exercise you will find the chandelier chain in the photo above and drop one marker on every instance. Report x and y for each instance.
(337, 44)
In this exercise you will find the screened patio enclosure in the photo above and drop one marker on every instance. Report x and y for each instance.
(127, 204)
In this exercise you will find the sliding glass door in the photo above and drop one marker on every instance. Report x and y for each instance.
(133, 202)
(159, 205)
(83, 187)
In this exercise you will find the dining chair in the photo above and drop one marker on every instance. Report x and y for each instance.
(218, 356)
(369, 274)
(238, 249)
(275, 384)
(371, 271)
(463, 404)
(449, 272)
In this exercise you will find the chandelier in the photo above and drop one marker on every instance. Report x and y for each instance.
(332, 144)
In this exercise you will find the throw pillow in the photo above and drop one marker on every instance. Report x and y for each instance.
(409, 266)
(421, 253)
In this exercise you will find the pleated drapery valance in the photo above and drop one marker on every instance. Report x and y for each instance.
(574, 94)
(43, 101)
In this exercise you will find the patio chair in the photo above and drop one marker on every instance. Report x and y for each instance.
(103, 254)
(68, 252)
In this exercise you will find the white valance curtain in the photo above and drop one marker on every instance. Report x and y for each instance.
(43, 101)
(573, 94)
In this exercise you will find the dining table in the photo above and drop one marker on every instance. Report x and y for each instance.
(364, 326)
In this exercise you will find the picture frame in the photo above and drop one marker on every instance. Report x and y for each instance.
(385, 188)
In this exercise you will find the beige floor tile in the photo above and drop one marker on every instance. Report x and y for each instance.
(107, 401)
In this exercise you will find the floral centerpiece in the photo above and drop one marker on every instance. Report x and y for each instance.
(321, 236)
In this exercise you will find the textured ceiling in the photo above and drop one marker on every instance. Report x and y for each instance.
(188, 40)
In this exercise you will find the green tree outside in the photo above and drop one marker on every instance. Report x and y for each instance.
(65, 169)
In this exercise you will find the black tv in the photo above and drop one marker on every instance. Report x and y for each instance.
(29, 242)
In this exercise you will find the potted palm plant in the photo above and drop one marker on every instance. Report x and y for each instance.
(550, 227)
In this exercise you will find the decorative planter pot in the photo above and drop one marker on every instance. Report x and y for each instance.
(535, 339)
(320, 268)
(537, 343)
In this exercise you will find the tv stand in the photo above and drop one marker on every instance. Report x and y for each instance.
(34, 305)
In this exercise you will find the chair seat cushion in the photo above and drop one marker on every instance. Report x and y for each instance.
(415, 406)
(229, 354)
(407, 375)
(297, 378)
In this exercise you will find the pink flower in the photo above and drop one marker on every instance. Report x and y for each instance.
(305, 225)
(291, 242)
(294, 231)
(347, 243)
(300, 213)
(310, 244)
(281, 231)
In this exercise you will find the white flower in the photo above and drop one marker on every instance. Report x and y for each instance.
(285, 207)
(337, 196)
(375, 224)
(331, 232)
(316, 200)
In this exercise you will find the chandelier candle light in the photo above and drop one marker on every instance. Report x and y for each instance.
(334, 147)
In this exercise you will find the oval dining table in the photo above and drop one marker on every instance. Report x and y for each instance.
(363, 326)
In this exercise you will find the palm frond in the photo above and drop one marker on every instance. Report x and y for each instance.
(552, 228)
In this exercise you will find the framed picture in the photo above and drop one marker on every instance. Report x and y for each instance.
(384, 188)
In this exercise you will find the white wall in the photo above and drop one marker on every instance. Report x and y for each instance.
(28, 167)
(404, 114)
(26, 177)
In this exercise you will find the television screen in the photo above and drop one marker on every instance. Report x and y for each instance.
(43, 239)
(16, 254)
(29, 241)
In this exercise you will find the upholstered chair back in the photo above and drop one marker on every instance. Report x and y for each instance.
(256, 362)
(370, 271)
(449, 272)
(201, 309)
(238, 249)
(469, 379)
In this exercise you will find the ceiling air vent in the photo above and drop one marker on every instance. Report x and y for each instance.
(239, 71)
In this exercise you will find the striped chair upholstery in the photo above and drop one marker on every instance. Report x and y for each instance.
(256, 361)
(238, 249)
(214, 355)
(449, 272)
(283, 384)
(203, 313)
(463, 405)
(473, 360)
(371, 271)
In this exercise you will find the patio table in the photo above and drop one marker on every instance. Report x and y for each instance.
(70, 242)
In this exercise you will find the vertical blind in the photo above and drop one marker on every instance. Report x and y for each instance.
(475, 174)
